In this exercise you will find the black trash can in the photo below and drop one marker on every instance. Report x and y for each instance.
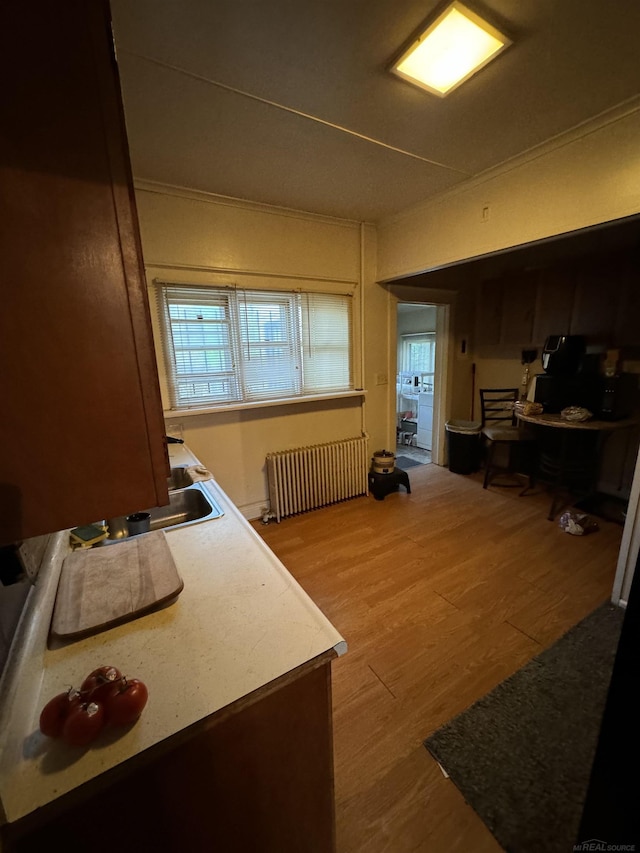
(463, 443)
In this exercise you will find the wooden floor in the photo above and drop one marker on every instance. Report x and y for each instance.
(440, 595)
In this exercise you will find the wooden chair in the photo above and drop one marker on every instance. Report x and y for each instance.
(503, 436)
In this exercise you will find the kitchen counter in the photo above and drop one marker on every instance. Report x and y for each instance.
(240, 623)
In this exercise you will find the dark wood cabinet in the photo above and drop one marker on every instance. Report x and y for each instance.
(505, 310)
(256, 776)
(489, 312)
(82, 433)
(595, 303)
(554, 304)
(518, 309)
(597, 297)
(627, 323)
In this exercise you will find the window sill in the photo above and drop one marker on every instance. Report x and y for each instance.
(258, 404)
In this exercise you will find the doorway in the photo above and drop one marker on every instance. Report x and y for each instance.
(415, 383)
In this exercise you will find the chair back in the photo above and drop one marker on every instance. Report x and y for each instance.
(497, 404)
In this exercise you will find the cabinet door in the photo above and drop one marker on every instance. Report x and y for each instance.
(424, 438)
(518, 308)
(254, 779)
(554, 305)
(82, 430)
(596, 299)
(627, 325)
(489, 312)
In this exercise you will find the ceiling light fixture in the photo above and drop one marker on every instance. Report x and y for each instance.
(452, 48)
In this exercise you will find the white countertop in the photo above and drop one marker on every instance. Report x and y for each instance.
(240, 622)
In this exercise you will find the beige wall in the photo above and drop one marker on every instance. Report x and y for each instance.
(589, 176)
(421, 318)
(192, 237)
(189, 229)
(379, 364)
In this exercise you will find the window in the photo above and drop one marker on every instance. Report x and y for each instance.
(224, 345)
(418, 357)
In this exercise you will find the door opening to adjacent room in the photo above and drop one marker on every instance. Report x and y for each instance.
(415, 383)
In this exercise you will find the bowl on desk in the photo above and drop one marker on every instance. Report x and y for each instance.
(575, 414)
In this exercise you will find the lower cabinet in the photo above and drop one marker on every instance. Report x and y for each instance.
(425, 421)
(256, 777)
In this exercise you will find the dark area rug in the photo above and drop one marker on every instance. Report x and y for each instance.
(404, 462)
(521, 756)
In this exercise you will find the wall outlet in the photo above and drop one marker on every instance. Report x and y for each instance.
(382, 379)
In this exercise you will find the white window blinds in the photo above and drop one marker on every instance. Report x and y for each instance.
(223, 345)
(198, 345)
(269, 341)
(326, 338)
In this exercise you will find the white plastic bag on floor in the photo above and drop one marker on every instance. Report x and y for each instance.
(577, 524)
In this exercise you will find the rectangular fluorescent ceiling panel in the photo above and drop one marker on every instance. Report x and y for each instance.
(456, 45)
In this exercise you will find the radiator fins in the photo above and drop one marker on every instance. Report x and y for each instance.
(310, 477)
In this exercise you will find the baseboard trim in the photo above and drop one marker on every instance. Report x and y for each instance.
(255, 510)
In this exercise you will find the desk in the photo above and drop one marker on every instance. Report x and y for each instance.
(569, 451)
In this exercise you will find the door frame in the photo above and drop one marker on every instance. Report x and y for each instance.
(443, 301)
(629, 545)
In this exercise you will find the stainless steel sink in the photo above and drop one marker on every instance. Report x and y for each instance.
(189, 505)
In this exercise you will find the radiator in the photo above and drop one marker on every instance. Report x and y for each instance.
(310, 477)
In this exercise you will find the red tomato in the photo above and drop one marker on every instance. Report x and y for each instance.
(83, 724)
(98, 683)
(55, 712)
(125, 702)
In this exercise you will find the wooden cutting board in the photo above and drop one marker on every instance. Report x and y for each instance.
(105, 586)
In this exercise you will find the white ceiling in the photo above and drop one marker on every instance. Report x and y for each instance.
(290, 102)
